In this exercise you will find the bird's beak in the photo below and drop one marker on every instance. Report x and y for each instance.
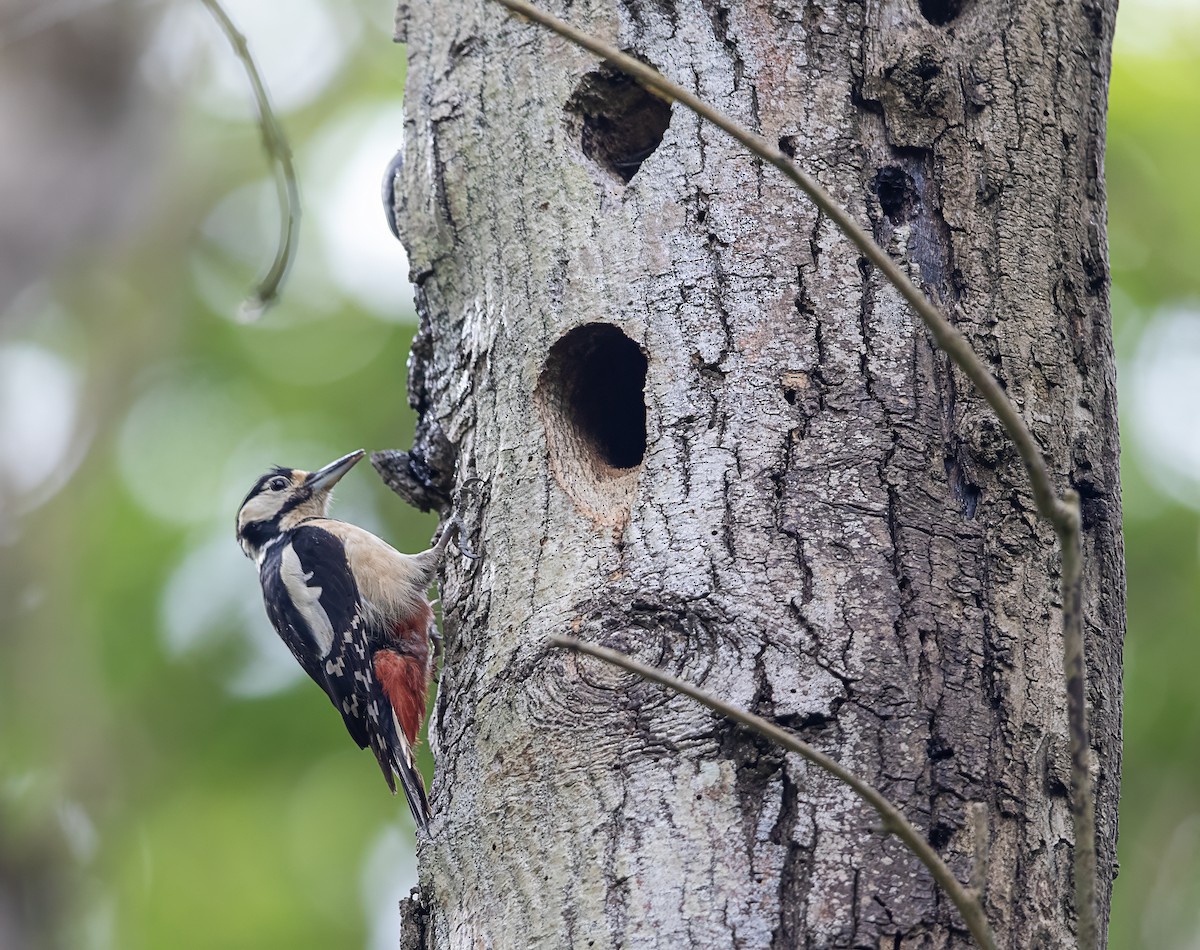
(325, 478)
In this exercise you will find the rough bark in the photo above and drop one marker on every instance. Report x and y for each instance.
(825, 526)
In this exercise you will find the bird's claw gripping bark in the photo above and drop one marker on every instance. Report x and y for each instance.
(460, 539)
(456, 525)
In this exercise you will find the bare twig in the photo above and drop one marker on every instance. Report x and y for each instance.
(1083, 801)
(977, 816)
(1062, 513)
(275, 144)
(893, 819)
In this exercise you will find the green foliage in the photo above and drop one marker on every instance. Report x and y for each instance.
(1154, 202)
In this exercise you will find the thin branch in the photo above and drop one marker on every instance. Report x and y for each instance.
(1083, 801)
(275, 144)
(977, 816)
(893, 819)
(1062, 513)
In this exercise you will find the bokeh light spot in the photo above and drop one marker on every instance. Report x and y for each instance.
(363, 257)
(39, 394)
(174, 443)
(1164, 393)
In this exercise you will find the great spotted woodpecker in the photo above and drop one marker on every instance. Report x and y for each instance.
(352, 609)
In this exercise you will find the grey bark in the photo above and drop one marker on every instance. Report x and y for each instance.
(827, 527)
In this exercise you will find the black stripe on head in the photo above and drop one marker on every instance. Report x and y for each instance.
(299, 497)
(258, 521)
(258, 533)
(261, 485)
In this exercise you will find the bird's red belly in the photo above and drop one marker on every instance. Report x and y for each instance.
(404, 675)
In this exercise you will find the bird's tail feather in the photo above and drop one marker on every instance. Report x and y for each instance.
(405, 766)
(396, 759)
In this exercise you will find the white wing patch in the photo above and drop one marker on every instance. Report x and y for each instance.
(306, 599)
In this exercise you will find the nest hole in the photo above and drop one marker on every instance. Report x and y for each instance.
(591, 396)
(620, 124)
(594, 381)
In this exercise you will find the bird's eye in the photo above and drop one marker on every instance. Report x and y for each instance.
(278, 484)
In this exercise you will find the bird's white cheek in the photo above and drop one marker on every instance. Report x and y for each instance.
(306, 599)
(260, 508)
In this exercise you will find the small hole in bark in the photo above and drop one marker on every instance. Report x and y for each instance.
(591, 395)
(897, 193)
(940, 835)
(620, 123)
(927, 68)
(787, 145)
(967, 493)
(938, 749)
(941, 12)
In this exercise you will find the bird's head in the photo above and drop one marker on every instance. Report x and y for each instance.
(284, 497)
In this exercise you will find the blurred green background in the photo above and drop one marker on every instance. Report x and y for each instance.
(166, 777)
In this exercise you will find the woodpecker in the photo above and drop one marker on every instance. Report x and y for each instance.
(352, 609)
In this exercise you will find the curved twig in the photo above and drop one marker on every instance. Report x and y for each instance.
(1061, 512)
(1083, 799)
(275, 144)
(894, 822)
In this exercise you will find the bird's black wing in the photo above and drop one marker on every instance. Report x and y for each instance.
(285, 617)
(330, 633)
(325, 627)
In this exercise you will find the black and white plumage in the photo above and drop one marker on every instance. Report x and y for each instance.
(353, 611)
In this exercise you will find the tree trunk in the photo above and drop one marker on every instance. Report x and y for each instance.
(813, 515)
